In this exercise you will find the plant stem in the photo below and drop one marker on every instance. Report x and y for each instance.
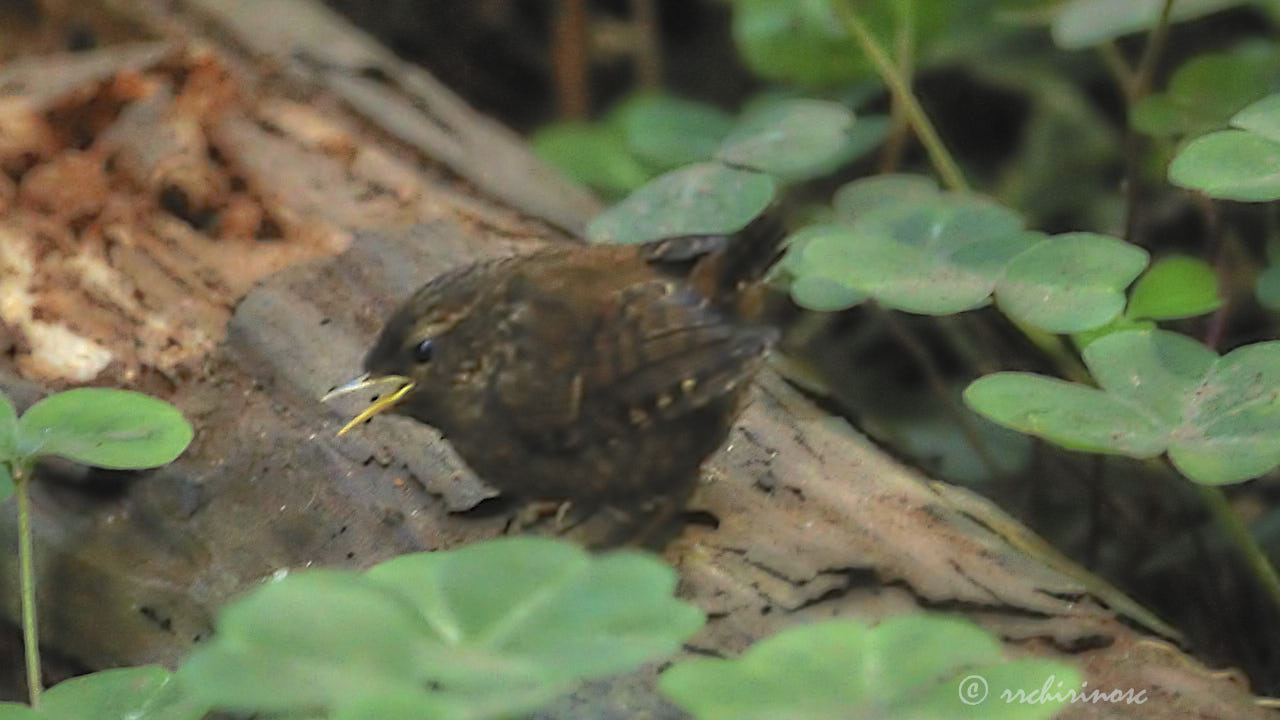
(1134, 93)
(899, 128)
(569, 59)
(1057, 350)
(964, 419)
(1240, 537)
(1151, 53)
(901, 89)
(1118, 67)
(1220, 248)
(1051, 345)
(21, 472)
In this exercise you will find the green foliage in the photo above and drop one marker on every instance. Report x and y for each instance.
(1261, 117)
(1070, 283)
(137, 693)
(595, 155)
(8, 444)
(698, 199)
(855, 199)
(798, 139)
(1082, 24)
(8, 428)
(1232, 164)
(1268, 290)
(95, 426)
(1069, 414)
(790, 138)
(797, 41)
(107, 428)
(666, 132)
(813, 284)
(1120, 324)
(914, 248)
(914, 666)
(921, 251)
(1242, 164)
(1217, 417)
(1175, 287)
(6, 483)
(491, 630)
(1207, 90)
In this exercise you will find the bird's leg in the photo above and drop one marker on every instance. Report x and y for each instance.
(566, 515)
(562, 514)
(532, 513)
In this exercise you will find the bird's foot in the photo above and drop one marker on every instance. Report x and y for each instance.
(538, 511)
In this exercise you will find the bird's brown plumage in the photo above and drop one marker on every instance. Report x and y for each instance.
(601, 375)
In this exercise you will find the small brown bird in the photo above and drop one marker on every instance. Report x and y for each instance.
(601, 375)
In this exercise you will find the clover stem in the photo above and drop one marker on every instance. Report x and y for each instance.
(952, 178)
(965, 420)
(1057, 350)
(902, 95)
(1118, 67)
(1240, 537)
(21, 471)
(1138, 88)
(1151, 53)
(899, 127)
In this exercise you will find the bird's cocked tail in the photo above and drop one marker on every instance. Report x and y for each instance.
(726, 268)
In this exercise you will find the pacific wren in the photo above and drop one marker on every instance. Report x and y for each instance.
(601, 375)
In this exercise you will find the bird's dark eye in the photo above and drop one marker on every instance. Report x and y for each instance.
(422, 353)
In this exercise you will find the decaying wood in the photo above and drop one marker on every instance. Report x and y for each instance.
(339, 154)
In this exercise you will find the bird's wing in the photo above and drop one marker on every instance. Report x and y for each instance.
(667, 350)
(657, 351)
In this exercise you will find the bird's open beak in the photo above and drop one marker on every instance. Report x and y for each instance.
(382, 403)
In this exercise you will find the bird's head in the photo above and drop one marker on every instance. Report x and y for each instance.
(404, 363)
